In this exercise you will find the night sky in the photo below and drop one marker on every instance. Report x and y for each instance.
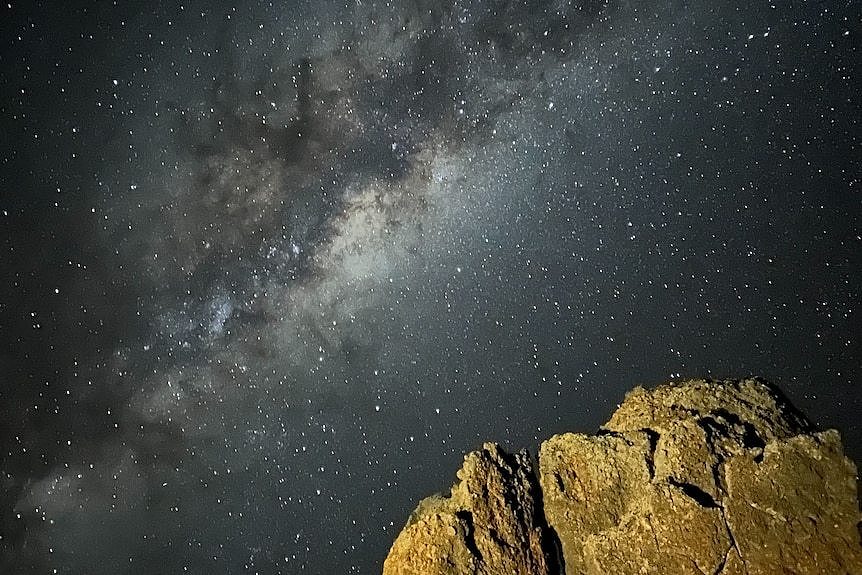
(270, 269)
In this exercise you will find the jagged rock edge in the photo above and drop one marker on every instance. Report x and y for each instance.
(797, 425)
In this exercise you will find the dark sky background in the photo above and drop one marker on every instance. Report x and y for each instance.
(270, 269)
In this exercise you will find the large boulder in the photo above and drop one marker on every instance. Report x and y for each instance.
(718, 477)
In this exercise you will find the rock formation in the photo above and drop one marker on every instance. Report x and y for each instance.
(717, 477)
(491, 523)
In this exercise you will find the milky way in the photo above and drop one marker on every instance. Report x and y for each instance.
(270, 269)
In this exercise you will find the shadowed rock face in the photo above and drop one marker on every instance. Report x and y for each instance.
(718, 477)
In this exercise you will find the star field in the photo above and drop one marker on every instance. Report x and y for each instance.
(269, 269)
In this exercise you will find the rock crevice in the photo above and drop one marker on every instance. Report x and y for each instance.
(717, 477)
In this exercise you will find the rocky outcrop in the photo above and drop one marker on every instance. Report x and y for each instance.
(717, 477)
(491, 523)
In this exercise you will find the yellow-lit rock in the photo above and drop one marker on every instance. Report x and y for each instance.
(718, 477)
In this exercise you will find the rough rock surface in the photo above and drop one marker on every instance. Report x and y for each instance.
(491, 523)
(717, 477)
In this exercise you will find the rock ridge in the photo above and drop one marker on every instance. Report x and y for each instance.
(702, 476)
